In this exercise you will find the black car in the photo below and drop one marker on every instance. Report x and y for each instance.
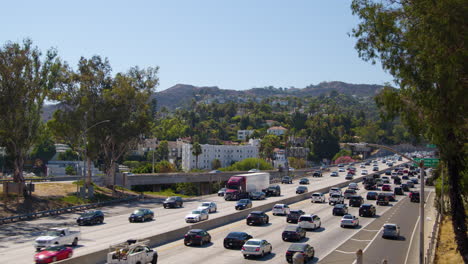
(405, 187)
(370, 184)
(375, 169)
(286, 179)
(141, 215)
(414, 197)
(243, 204)
(398, 191)
(397, 180)
(356, 201)
(257, 195)
(293, 233)
(317, 174)
(349, 176)
(372, 196)
(90, 218)
(294, 215)
(257, 218)
(236, 239)
(382, 199)
(196, 237)
(304, 181)
(388, 172)
(405, 177)
(301, 189)
(173, 201)
(273, 190)
(340, 209)
(307, 251)
(367, 210)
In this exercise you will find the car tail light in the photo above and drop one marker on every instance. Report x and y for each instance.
(197, 236)
(257, 249)
(288, 252)
(243, 248)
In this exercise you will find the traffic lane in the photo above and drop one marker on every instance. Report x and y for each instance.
(330, 233)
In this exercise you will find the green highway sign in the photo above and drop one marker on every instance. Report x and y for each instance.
(428, 162)
(431, 146)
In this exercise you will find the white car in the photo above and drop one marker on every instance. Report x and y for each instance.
(211, 207)
(335, 190)
(336, 198)
(280, 209)
(318, 197)
(362, 166)
(353, 186)
(364, 172)
(309, 221)
(341, 170)
(349, 220)
(256, 247)
(57, 237)
(196, 216)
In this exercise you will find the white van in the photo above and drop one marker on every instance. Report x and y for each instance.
(309, 221)
(280, 209)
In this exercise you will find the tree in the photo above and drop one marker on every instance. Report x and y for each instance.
(45, 147)
(196, 151)
(268, 145)
(422, 44)
(163, 150)
(26, 78)
(216, 164)
(68, 155)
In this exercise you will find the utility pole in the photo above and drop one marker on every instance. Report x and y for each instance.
(421, 214)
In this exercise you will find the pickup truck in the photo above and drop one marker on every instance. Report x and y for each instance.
(132, 252)
(335, 198)
(57, 237)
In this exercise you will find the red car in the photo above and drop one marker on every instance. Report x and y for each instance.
(386, 187)
(53, 254)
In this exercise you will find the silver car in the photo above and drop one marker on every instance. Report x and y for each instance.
(256, 247)
(211, 207)
(349, 220)
(197, 216)
(391, 231)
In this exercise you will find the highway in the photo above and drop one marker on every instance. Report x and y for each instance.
(16, 239)
(332, 243)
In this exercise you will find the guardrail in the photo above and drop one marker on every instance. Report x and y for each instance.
(59, 211)
(28, 180)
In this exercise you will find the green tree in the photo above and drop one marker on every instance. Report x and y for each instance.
(45, 147)
(216, 164)
(268, 145)
(26, 78)
(422, 44)
(68, 155)
(196, 151)
(163, 150)
(70, 170)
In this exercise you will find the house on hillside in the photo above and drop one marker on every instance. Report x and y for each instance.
(277, 130)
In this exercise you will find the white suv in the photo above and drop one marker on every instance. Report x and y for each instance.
(309, 221)
(280, 209)
(335, 190)
(318, 197)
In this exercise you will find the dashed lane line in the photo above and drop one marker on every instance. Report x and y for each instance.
(344, 252)
(360, 240)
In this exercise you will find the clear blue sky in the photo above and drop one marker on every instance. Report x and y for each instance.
(231, 44)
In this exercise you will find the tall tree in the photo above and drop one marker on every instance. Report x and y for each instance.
(44, 149)
(163, 150)
(422, 44)
(196, 151)
(268, 145)
(26, 77)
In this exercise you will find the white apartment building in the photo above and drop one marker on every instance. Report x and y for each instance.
(227, 154)
(243, 134)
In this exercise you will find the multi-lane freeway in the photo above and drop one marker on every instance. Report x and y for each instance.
(16, 239)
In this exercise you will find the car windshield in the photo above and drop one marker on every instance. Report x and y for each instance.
(294, 212)
(222, 189)
(138, 212)
(340, 206)
(243, 201)
(278, 207)
(205, 204)
(316, 194)
(335, 196)
(349, 191)
(52, 233)
(170, 199)
(348, 217)
(196, 212)
(255, 214)
(235, 235)
(390, 227)
(306, 218)
(296, 247)
(253, 243)
(301, 188)
(87, 214)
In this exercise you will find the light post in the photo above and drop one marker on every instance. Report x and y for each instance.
(421, 205)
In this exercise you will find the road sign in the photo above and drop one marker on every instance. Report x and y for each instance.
(431, 146)
(428, 162)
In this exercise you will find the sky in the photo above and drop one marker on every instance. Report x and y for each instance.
(230, 44)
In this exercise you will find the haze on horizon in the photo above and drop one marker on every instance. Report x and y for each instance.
(233, 45)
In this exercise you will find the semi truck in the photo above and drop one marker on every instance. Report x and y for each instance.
(240, 186)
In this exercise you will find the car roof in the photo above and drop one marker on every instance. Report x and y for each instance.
(291, 228)
(366, 205)
(195, 230)
(256, 239)
(256, 212)
(298, 245)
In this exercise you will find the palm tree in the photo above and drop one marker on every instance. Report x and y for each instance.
(196, 151)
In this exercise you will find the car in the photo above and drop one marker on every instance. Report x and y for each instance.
(273, 190)
(414, 197)
(349, 176)
(257, 218)
(375, 168)
(141, 215)
(90, 218)
(379, 182)
(398, 191)
(317, 174)
(222, 191)
(215, 171)
(256, 247)
(391, 231)
(349, 220)
(304, 181)
(390, 164)
(257, 196)
(53, 254)
(341, 170)
(356, 200)
(197, 216)
(382, 199)
(309, 221)
(211, 207)
(293, 233)
(372, 196)
(410, 184)
(306, 250)
(364, 172)
(405, 187)
(335, 198)
(414, 180)
(243, 204)
(362, 166)
(388, 172)
(405, 177)
(335, 190)
(286, 179)
(385, 179)
(57, 236)
(341, 165)
(353, 186)
(254, 170)
(130, 252)
(391, 196)
(173, 201)
(387, 187)
(301, 189)
(197, 237)
(367, 210)
(340, 209)
(280, 209)
(236, 239)
(334, 174)
(294, 215)
(397, 180)
(317, 197)
(349, 192)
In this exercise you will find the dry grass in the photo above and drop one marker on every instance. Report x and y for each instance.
(54, 189)
(446, 250)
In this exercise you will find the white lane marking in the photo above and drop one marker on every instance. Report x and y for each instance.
(344, 252)
(360, 240)
(414, 230)
(376, 230)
